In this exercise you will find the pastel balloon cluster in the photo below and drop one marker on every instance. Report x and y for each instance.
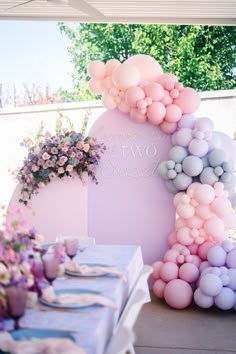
(196, 156)
(139, 87)
(205, 214)
(217, 282)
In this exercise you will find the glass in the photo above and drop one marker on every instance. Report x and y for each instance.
(50, 267)
(71, 247)
(16, 297)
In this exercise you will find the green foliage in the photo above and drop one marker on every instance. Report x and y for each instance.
(202, 57)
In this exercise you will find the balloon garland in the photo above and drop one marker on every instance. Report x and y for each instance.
(200, 263)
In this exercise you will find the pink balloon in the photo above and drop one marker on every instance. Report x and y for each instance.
(221, 206)
(133, 95)
(156, 113)
(111, 65)
(167, 81)
(186, 211)
(156, 269)
(148, 67)
(123, 107)
(178, 294)
(107, 83)
(189, 272)
(169, 271)
(168, 128)
(96, 69)
(172, 239)
(173, 113)
(230, 220)
(125, 76)
(194, 222)
(188, 100)
(95, 86)
(193, 248)
(158, 288)
(184, 236)
(204, 194)
(196, 260)
(167, 99)
(137, 117)
(171, 256)
(155, 91)
(108, 101)
(177, 198)
(214, 227)
(204, 211)
(180, 223)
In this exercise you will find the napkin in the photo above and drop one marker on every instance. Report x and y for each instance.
(38, 346)
(86, 269)
(80, 299)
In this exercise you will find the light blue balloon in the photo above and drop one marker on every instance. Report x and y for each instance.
(228, 166)
(205, 161)
(170, 164)
(226, 177)
(171, 174)
(162, 170)
(217, 157)
(182, 181)
(218, 170)
(177, 153)
(171, 187)
(208, 176)
(178, 167)
(192, 166)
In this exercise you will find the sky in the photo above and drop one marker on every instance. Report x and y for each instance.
(34, 52)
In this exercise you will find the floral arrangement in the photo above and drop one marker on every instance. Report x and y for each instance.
(18, 246)
(61, 155)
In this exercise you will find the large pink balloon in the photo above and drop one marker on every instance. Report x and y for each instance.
(168, 271)
(167, 81)
(155, 91)
(96, 69)
(203, 250)
(188, 100)
(111, 65)
(167, 99)
(108, 101)
(173, 113)
(204, 194)
(168, 128)
(95, 86)
(133, 95)
(178, 294)
(189, 272)
(214, 227)
(125, 76)
(148, 67)
(158, 288)
(171, 255)
(156, 112)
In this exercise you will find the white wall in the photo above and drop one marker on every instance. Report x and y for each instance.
(16, 124)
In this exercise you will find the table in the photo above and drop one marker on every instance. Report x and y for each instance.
(92, 327)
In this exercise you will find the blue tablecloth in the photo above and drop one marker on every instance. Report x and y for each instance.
(92, 326)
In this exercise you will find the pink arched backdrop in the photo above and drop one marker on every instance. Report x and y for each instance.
(129, 205)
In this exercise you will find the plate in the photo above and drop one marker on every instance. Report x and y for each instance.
(69, 291)
(76, 273)
(38, 333)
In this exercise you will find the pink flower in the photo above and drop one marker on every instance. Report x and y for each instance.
(35, 168)
(41, 185)
(45, 156)
(64, 130)
(86, 147)
(61, 170)
(47, 134)
(54, 150)
(11, 256)
(69, 168)
(80, 145)
(52, 175)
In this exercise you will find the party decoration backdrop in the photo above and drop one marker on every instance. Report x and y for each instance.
(198, 171)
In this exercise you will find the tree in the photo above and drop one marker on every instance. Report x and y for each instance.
(202, 57)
